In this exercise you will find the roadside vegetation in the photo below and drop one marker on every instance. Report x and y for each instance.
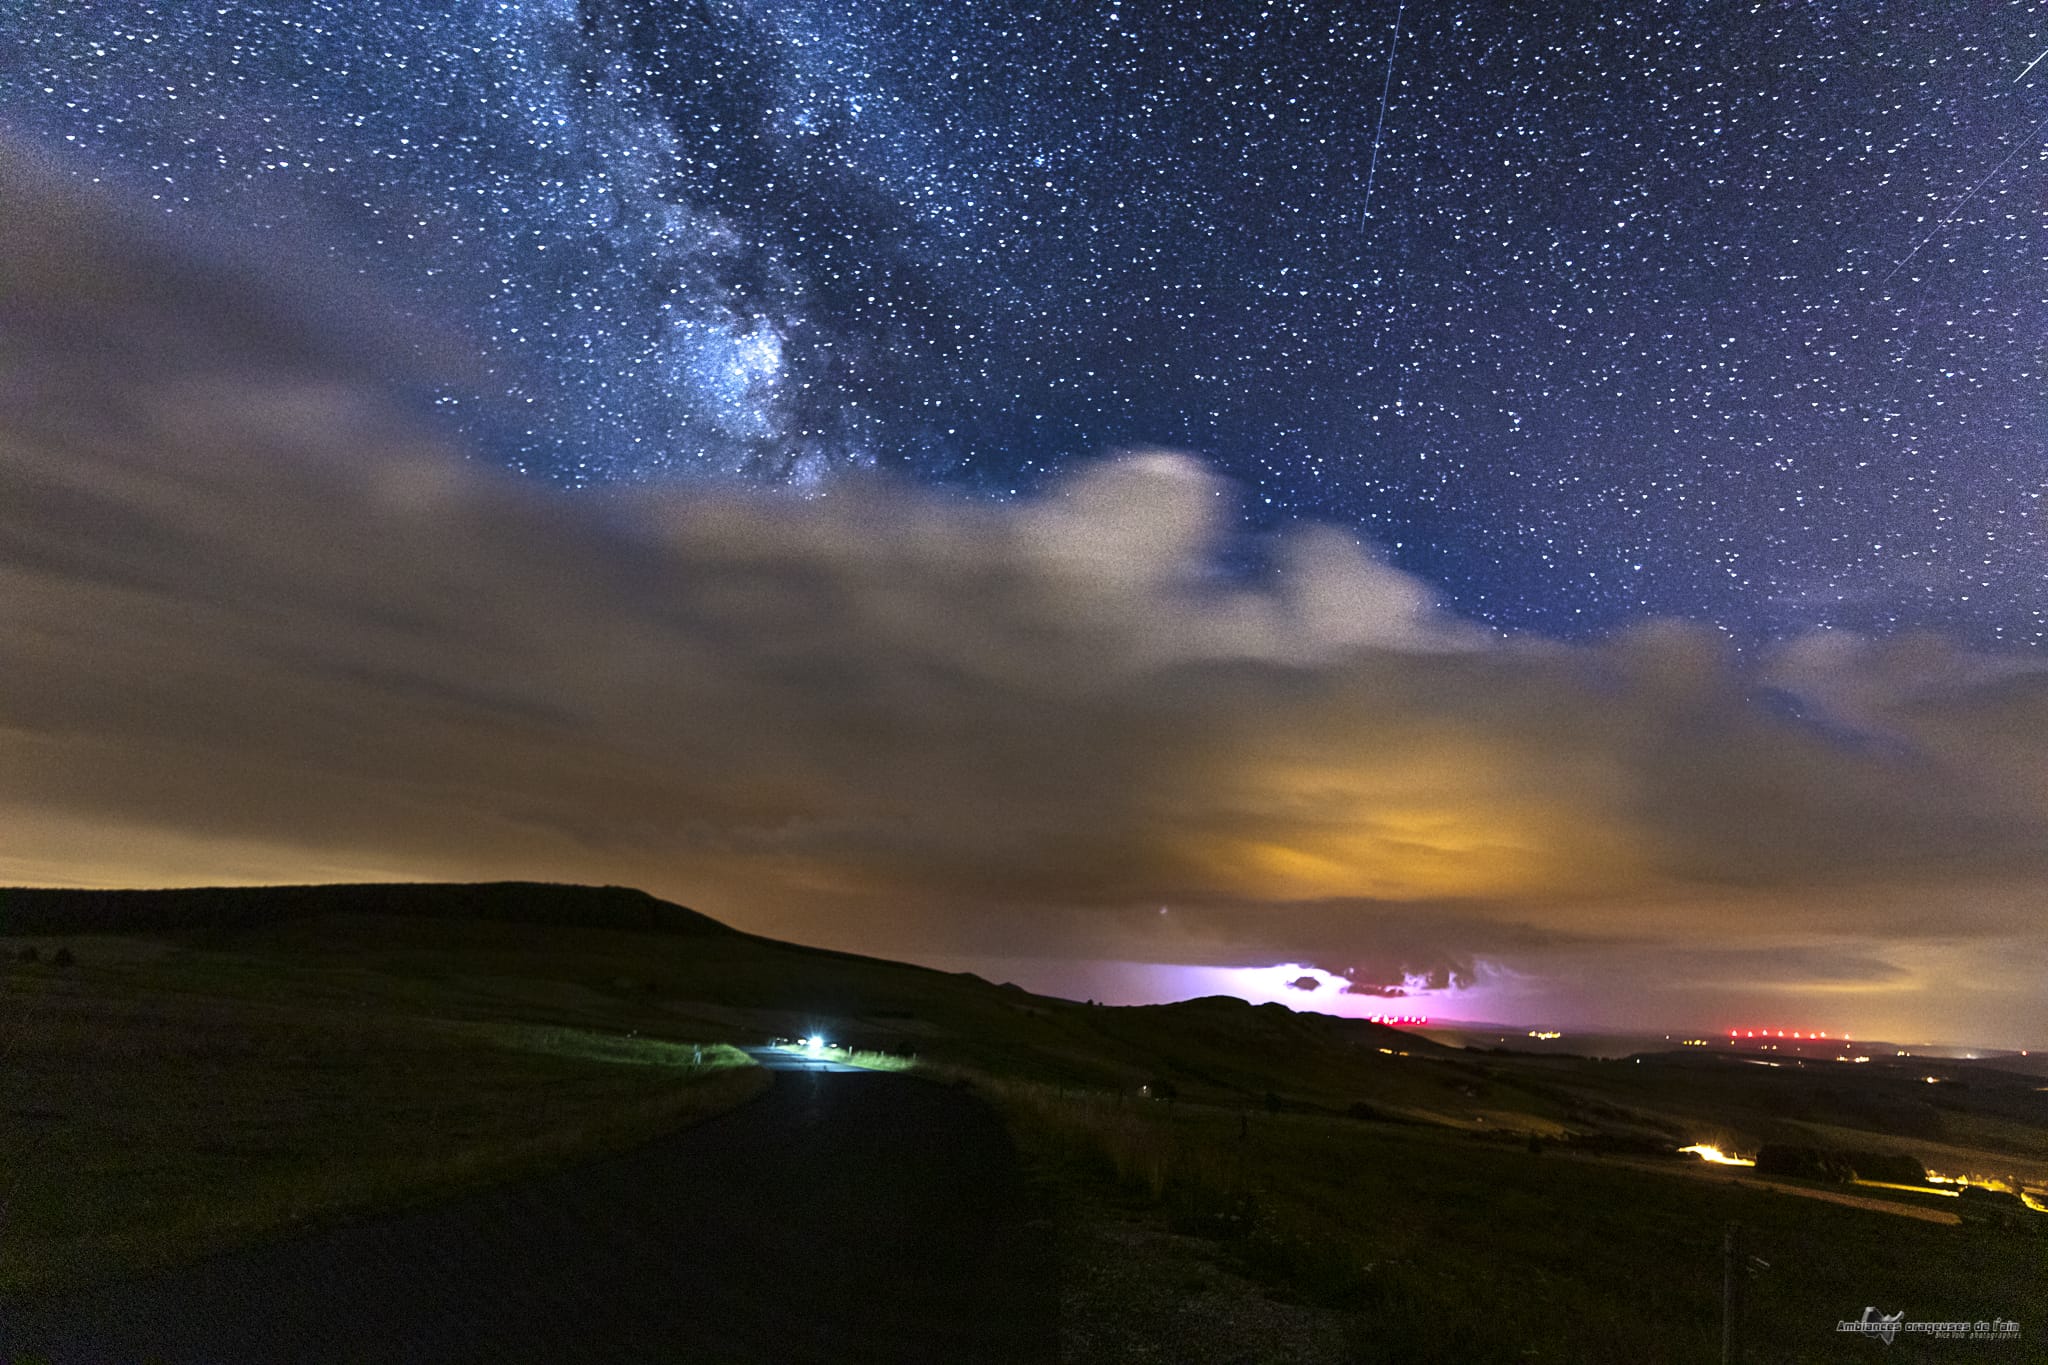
(875, 1061)
(151, 1114)
(1435, 1245)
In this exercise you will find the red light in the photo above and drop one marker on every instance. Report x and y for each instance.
(1802, 1035)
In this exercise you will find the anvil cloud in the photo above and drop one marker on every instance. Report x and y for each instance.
(259, 622)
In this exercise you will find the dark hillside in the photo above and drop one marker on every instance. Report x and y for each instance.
(31, 910)
(583, 956)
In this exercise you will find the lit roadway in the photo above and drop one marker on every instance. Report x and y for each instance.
(799, 1059)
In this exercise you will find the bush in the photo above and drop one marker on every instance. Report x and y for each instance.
(1837, 1165)
(2000, 1209)
(28, 954)
(1804, 1163)
(62, 958)
(1896, 1167)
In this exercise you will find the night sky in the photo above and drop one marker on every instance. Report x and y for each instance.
(1584, 313)
(1517, 513)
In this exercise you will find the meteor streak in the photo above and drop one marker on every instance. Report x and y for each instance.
(1380, 127)
(2029, 140)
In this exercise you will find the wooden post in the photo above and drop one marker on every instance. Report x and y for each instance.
(1731, 1295)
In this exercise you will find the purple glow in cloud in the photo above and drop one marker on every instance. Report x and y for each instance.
(1153, 983)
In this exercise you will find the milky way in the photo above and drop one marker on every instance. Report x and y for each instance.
(1624, 329)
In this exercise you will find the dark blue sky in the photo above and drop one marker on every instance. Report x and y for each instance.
(1621, 330)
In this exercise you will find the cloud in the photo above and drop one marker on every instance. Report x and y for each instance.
(262, 622)
(1305, 983)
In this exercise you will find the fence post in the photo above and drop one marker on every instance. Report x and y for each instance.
(1731, 1295)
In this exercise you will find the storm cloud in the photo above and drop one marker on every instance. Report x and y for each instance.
(261, 620)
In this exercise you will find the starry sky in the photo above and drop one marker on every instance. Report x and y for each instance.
(1579, 313)
(1511, 513)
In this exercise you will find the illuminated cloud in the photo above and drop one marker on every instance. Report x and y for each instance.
(260, 626)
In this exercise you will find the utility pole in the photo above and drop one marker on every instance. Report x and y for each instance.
(1731, 1295)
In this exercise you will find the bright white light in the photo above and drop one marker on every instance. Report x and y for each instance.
(1705, 1152)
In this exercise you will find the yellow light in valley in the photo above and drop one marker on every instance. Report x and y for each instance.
(1708, 1152)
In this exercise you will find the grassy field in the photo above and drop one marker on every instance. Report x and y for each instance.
(161, 1103)
(1443, 1246)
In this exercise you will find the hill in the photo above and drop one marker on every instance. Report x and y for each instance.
(614, 957)
(37, 910)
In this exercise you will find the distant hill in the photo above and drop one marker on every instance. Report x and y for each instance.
(34, 910)
(619, 960)
(528, 941)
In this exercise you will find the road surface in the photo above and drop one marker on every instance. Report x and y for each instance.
(796, 1059)
(841, 1217)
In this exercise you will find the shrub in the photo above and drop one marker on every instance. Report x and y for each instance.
(1896, 1167)
(1836, 1165)
(1803, 1163)
(62, 958)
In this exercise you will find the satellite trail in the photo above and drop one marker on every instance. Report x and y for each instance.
(1378, 128)
(1971, 193)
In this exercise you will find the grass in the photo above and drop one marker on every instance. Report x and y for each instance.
(147, 1119)
(1439, 1246)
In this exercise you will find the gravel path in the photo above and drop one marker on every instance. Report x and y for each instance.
(838, 1218)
